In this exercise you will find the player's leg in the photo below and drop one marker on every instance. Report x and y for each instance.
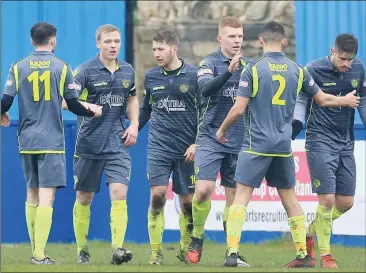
(207, 165)
(281, 174)
(30, 168)
(323, 168)
(87, 177)
(159, 169)
(227, 180)
(183, 184)
(249, 174)
(118, 172)
(52, 175)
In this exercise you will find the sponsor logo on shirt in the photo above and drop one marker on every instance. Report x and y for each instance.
(243, 84)
(171, 105)
(329, 84)
(99, 84)
(204, 71)
(9, 83)
(230, 92)
(112, 100)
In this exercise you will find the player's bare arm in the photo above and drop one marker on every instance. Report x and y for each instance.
(327, 100)
(235, 112)
(133, 114)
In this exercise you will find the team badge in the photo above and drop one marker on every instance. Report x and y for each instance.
(354, 83)
(125, 83)
(183, 88)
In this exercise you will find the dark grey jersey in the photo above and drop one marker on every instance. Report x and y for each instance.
(272, 83)
(171, 104)
(215, 107)
(102, 137)
(40, 81)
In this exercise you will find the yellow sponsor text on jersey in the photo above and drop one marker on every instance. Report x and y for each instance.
(277, 67)
(39, 64)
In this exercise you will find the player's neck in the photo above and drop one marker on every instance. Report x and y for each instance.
(227, 55)
(173, 65)
(272, 48)
(43, 48)
(109, 64)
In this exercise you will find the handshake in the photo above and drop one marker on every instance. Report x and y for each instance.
(96, 109)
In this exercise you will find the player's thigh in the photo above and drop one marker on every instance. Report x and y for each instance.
(281, 173)
(30, 169)
(52, 170)
(88, 174)
(322, 167)
(159, 169)
(251, 169)
(118, 169)
(228, 169)
(346, 176)
(183, 177)
(207, 163)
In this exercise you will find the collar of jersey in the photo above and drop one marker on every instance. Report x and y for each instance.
(101, 65)
(182, 70)
(42, 52)
(274, 54)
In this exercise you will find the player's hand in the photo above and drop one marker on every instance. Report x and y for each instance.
(352, 100)
(5, 120)
(189, 154)
(90, 106)
(235, 62)
(220, 135)
(130, 135)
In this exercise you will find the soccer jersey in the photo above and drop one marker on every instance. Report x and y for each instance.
(215, 108)
(41, 81)
(101, 138)
(272, 84)
(332, 129)
(171, 100)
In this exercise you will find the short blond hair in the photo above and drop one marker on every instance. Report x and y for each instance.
(230, 22)
(105, 29)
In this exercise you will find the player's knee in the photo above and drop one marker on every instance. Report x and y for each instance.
(84, 198)
(326, 200)
(344, 203)
(118, 191)
(157, 201)
(203, 190)
(32, 196)
(46, 196)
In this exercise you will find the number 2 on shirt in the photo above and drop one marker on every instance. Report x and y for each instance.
(282, 84)
(46, 79)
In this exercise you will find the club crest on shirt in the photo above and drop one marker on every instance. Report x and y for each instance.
(183, 88)
(354, 83)
(125, 83)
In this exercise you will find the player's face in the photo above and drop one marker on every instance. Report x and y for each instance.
(164, 53)
(341, 61)
(109, 45)
(230, 40)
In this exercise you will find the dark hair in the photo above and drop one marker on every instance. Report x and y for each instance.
(42, 32)
(167, 36)
(272, 32)
(347, 43)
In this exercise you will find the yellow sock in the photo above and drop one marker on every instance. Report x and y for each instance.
(336, 213)
(235, 223)
(323, 226)
(81, 220)
(42, 227)
(226, 216)
(118, 221)
(200, 213)
(155, 227)
(186, 228)
(30, 216)
(298, 232)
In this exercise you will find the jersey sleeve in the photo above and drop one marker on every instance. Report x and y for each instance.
(246, 83)
(71, 87)
(80, 78)
(145, 110)
(309, 87)
(132, 91)
(362, 88)
(205, 70)
(12, 82)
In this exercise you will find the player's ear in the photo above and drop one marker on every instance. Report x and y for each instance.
(219, 38)
(332, 51)
(97, 43)
(284, 42)
(261, 41)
